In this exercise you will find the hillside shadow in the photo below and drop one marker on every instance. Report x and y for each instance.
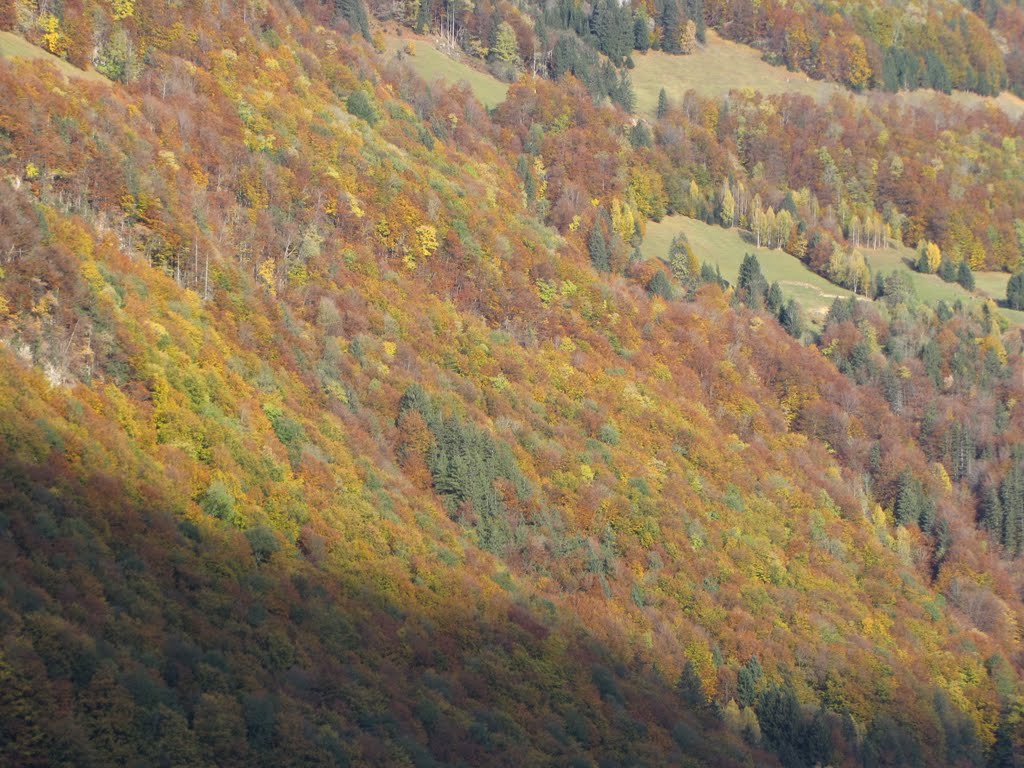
(173, 640)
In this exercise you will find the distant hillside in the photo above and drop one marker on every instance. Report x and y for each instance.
(726, 248)
(713, 70)
(879, 45)
(720, 66)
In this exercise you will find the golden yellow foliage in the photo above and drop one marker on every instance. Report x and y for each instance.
(266, 274)
(623, 219)
(53, 38)
(540, 173)
(122, 9)
(426, 239)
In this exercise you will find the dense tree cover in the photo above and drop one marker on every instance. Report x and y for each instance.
(882, 44)
(878, 171)
(886, 44)
(949, 372)
(319, 444)
(888, 171)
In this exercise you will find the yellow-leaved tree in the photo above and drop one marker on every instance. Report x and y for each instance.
(54, 40)
(122, 9)
(426, 244)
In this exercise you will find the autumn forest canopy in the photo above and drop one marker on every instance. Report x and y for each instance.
(347, 421)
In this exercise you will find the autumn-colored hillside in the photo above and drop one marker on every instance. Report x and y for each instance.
(340, 424)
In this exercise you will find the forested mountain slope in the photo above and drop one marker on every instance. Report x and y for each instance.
(878, 44)
(337, 426)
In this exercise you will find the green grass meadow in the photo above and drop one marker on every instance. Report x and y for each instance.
(931, 288)
(14, 47)
(720, 66)
(726, 248)
(715, 69)
(431, 64)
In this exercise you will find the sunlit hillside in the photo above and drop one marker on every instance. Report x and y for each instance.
(351, 416)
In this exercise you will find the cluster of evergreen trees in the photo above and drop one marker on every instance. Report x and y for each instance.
(913, 504)
(616, 30)
(601, 78)
(905, 70)
(354, 12)
(752, 289)
(1002, 508)
(769, 714)
(470, 470)
(961, 273)
(922, 63)
(612, 25)
(930, 260)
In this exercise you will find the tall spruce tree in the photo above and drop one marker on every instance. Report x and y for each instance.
(965, 276)
(1011, 498)
(662, 104)
(671, 27)
(791, 319)
(691, 688)
(354, 12)
(774, 299)
(1015, 291)
(751, 285)
(641, 34)
(598, 248)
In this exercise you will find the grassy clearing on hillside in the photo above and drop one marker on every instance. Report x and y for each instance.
(726, 247)
(992, 284)
(431, 64)
(12, 46)
(1010, 104)
(717, 68)
(930, 288)
(722, 65)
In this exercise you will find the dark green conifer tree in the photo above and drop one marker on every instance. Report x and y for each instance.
(662, 104)
(1015, 291)
(658, 285)
(354, 12)
(791, 319)
(774, 299)
(598, 248)
(671, 27)
(691, 688)
(965, 276)
(747, 682)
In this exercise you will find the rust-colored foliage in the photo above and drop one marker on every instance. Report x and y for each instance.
(228, 538)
